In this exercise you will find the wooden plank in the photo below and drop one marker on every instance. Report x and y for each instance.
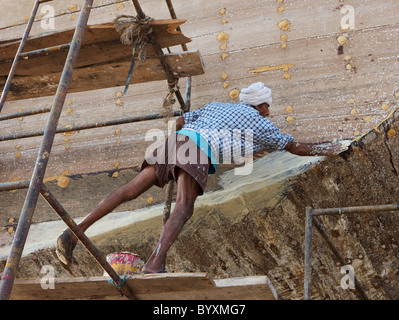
(106, 75)
(169, 286)
(101, 44)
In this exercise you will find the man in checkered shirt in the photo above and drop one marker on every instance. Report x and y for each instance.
(216, 133)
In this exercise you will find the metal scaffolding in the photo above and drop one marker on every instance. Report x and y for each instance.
(35, 185)
(311, 219)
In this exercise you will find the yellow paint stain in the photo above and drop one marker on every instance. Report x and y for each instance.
(283, 37)
(117, 132)
(289, 109)
(391, 133)
(119, 102)
(224, 21)
(224, 56)
(223, 47)
(116, 165)
(284, 25)
(73, 7)
(290, 119)
(119, 94)
(222, 11)
(67, 147)
(385, 107)
(150, 200)
(69, 102)
(222, 36)
(397, 94)
(234, 94)
(120, 6)
(17, 146)
(271, 68)
(11, 220)
(62, 181)
(18, 155)
(10, 230)
(342, 40)
(115, 175)
(67, 139)
(118, 140)
(287, 76)
(224, 76)
(283, 45)
(73, 17)
(69, 110)
(353, 112)
(225, 85)
(367, 119)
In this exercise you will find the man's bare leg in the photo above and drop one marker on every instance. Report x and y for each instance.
(187, 192)
(138, 185)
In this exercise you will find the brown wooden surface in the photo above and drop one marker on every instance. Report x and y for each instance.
(107, 74)
(172, 286)
(103, 61)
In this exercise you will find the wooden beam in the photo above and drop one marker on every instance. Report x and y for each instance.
(107, 74)
(169, 286)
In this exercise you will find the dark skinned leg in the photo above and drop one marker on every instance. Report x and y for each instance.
(187, 192)
(141, 183)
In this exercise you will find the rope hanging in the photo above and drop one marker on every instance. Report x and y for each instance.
(135, 31)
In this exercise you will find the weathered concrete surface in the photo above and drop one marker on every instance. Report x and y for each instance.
(261, 231)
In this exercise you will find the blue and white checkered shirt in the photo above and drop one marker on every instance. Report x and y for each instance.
(234, 129)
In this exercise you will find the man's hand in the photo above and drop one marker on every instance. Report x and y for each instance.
(310, 149)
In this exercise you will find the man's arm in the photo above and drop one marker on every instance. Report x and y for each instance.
(179, 123)
(311, 149)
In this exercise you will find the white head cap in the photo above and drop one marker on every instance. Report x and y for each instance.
(256, 94)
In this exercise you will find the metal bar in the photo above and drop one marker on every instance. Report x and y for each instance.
(360, 209)
(323, 232)
(40, 52)
(89, 126)
(14, 185)
(139, 11)
(52, 201)
(17, 56)
(173, 15)
(24, 114)
(43, 156)
(308, 254)
(188, 94)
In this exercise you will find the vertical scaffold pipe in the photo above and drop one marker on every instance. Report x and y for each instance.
(36, 183)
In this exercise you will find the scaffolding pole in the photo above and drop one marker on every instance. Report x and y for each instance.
(36, 183)
(311, 218)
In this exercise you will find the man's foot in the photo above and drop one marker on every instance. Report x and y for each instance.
(65, 246)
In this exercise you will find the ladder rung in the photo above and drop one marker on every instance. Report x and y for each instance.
(46, 51)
